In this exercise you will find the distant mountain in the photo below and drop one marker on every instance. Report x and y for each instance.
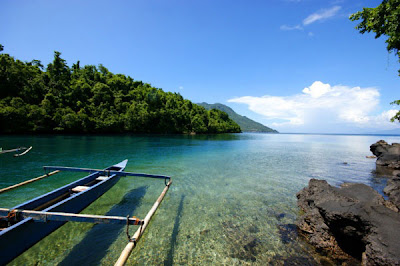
(246, 124)
(395, 131)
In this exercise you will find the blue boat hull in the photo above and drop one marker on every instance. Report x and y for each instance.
(21, 236)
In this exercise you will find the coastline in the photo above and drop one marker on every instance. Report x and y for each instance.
(353, 223)
(239, 192)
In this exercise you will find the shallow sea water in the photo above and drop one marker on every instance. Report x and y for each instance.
(232, 201)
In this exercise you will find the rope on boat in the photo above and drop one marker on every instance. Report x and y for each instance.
(139, 232)
(28, 181)
(11, 216)
(127, 226)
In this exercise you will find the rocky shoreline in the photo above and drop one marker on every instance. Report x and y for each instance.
(354, 224)
(388, 158)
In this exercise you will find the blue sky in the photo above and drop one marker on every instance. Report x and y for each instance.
(294, 65)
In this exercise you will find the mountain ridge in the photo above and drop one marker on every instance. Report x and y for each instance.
(245, 123)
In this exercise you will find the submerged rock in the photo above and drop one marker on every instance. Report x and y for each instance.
(349, 222)
(245, 246)
(388, 157)
(253, 229)
(247, 249)
(280, 216)
(295, 260)
(204, 232)
(287, 232)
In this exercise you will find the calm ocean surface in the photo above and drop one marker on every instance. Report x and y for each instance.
(232, 201)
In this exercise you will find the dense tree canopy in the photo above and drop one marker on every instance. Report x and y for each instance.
(383, 20)
(91, 99)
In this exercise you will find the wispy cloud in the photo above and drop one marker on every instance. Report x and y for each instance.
(321, 15)
(286, 27)
(322, 108)
(314, 17)
(180, 87)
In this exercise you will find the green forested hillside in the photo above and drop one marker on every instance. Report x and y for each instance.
(246, 124)
(90, 99)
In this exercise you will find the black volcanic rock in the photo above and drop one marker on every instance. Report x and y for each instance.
(393, 191)
(388, 157)
(349, 222)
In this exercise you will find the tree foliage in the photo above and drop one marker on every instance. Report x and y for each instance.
(382, 20)
(91, 99)
(397, 116)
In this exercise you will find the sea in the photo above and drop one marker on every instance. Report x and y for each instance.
(232, 200)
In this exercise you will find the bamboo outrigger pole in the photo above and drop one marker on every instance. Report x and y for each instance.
(28, 181)
(41, 216)
(25, 152)
(12, 150)
(132, 243)
(104, 172)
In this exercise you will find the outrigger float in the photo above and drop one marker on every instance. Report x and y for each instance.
(26, 224)
(24, 149)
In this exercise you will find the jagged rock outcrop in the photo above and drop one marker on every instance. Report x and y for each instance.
(388, 157)
(349, 222)
(392, 189)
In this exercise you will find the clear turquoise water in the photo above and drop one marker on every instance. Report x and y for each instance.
(233, 200)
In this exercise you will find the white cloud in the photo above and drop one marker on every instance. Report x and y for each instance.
(321, 15)
(322, 108)
(286, 27)
(180, 87)
(317, 89)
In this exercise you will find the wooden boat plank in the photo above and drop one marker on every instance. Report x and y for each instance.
(78, 189)
(40, 200)
(101, 178)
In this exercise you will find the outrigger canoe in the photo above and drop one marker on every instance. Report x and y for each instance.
(26, 150)
(26, 224)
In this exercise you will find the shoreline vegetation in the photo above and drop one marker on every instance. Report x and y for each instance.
(91, 99)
